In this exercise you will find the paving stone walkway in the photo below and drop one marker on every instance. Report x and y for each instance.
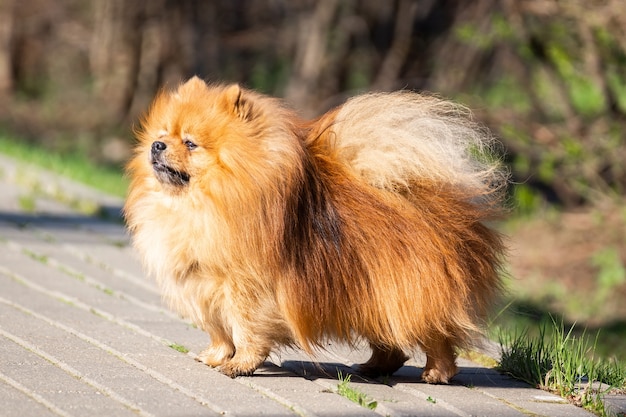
(84, 333)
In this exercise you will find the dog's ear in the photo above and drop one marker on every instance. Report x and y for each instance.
(240, 102)
(194, 84)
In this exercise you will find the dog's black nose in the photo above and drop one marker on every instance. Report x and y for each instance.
(158, 147)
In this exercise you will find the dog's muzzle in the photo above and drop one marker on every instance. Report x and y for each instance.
(165, 173)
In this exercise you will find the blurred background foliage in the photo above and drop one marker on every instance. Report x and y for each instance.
(547, 76)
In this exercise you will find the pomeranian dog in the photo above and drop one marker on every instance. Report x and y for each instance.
(268, 230)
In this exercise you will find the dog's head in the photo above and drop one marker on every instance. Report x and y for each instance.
(203, 135)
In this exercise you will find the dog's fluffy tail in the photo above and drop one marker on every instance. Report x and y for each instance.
(394, 140)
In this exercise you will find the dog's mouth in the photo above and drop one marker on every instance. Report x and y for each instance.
(168, 175)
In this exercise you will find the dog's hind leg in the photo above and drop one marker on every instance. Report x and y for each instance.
(440, 361)
(385, 360)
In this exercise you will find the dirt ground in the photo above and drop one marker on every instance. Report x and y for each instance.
(573, 265)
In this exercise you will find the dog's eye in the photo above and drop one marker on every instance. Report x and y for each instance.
(190, 145)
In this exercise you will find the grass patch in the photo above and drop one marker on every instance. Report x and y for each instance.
(27, 203)
(558, 361)
(98, 313)
(106, 290)
(72, 273)
(611, 272)
(74, 166)
(36, 256)
(179, 348)
(345, 390)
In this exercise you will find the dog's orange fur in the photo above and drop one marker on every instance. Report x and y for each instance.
(274, 231)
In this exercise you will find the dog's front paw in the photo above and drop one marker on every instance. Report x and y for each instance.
(235, 369)
(216, 355)
(242, 365)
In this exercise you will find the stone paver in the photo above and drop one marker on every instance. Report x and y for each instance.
(84, 333)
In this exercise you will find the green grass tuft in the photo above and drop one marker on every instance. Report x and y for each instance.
(179, 348)
(345, 390)
(36, 256)
(560, 362)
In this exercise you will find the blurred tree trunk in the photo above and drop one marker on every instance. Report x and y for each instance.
(457, 64)
(138, 47)
(400, 46)
(6, 45)
(115, 53)
(176, 40)
(311, 53)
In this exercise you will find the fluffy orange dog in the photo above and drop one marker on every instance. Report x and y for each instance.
(365, 224)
